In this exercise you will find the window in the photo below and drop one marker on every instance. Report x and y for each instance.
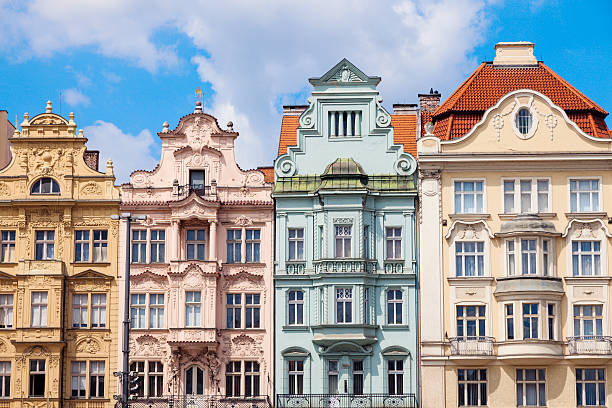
(395, 376)
(551, 320)
(531, 387)
(96, 379)
(468, 197)
(79, 310)
(234, 246)
(139, 246)
(584, 195)
(532, 196)
(138, 310)
(344, 305)
(358, 377)
(343, 241)
(471, 321)
(232, 378)
(81, 246)
(469, 258)
(253, 237)
(296, 244)
(509, 312)
(528, 256)
(394, 306)
(156, 379)
(472, 387)
(100, 245)
(45, 185)
(156, 310)
(78, 379)
(193, 305)
(8, 246)
(523, 121)
(39, 309)
(196, 244)
(149, 374)
(394, 243)
(196, 180)
(194, 381)
(332, 376)
(591, 387)
(510, 257)
(37, 378)
(534, 256)
(98, 310)
(6, 311)
(252, 319)
(344, 123)
(531, 315)
(251, 378)
(588, 321)
(233, 310)
(296, 377)
(5, 379)
(44, 245)
(139, 368)
(158, 246)
(296, 307)
(586, 258)
(366, 242)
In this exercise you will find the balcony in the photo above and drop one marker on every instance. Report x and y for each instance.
(201, 401)
(191, 335)
(346, 401)
(472, 346)
(344, 266)
(590, 345)
(200, 189)
(86, 403)
(394, 266)
(536, 284)
(41, 267)
(295, 267)
(329, 334)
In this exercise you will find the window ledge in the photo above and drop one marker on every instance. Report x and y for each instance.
(296, 328)
(78, 263)
(472, 279)
(594, 214)
(469, 216)
(509, 216)
(591, 278)
(395, 327)
(244, 263)
(9, 263)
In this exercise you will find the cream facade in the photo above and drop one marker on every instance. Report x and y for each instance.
(514, 259)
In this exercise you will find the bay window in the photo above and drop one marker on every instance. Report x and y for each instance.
(529, 256)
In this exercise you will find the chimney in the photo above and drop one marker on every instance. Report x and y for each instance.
(294, 110)
(404, 108)
(429, 102)
(518, 53)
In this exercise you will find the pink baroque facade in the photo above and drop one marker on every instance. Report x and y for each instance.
(201, 302)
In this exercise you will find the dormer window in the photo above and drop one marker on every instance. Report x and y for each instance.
(45, 185)
(523, 121)
(344, 124)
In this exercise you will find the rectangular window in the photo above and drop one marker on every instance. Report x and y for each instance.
(531, 316)
(586, 258)
(252, 311)
(469, 197)
(509, 312)
(472, 387)
(551, 320)
(322, 249)
(100, 245)
(525, 186)
(531, 387)
(193, 309)
(44, 245)
(8, 246)
(588, 321)
(395, 376)
(343, 241)
(39, 309)
(138, 306)
(158, 246)
(532, 197)
(196, 244)
(469, 258)
(394, 243)
(6, 311)
(358, 377)
(98, 310)
(296, 377)
(233, 310)
(139, 368)
(251, 378)
(366, 242)
(156, 310)
(296, 244)
(234, 246)
(344, 124)
(196, 180)
(37, 378)
(332, 376)
(510, 257)
(471, 321)
(81, 246)
(546, 257)
(253, 243)
(79, 310)
(528, 256)
(296, 307)
(139, 246)
(584, 195)
(156, 379)
(395, 305)
(344, 305)
(96, 379)
(591, 387)
(78, 379)
(233, 373)
(5, 379)
(543, 194)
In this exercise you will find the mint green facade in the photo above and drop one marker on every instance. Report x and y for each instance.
(345, 277)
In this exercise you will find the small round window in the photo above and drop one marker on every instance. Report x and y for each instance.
(45, 185)
(523, 121)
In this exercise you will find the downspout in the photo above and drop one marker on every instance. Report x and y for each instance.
(273, 365)
(415, 254)
(63, 350)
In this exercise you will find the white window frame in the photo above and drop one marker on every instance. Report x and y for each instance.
(342, 238)
(233, 373)
(599, 195)
(46, 242)
(509, 317)
(157, 246)
(253, 310)
(98, 310)
(6, 310)
(156, 310)
(80, 305)
(196, 243)
(157, 376)
(295, 303)
(465, 382)
(539, 383)
(42, 306)
(8, 245)
(296, 376)
(392, 319)
(194, 306)
(581, 318)
(464, 255)
(252, 370)
(344, 300)
(540, 257)
(397, 374)
(592, 254)
(140, 242)
(597, 381)
(78, 379)
(295, 241)
(483, 210)
(97, 369)
(5, 379)
(534, 195)
(140, 309)
(395, 241)
(477, 318)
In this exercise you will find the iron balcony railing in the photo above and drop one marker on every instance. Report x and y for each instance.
(201, 401)
(346, 401)
(199, 189)
(599, 345)
(472, 346)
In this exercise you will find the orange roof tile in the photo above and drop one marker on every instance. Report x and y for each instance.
(288, 136)
(268, 173)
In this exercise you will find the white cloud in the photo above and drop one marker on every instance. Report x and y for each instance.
(74, 97)
(129, 152)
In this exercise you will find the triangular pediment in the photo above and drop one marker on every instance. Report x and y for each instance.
(344, 73)
(4, 275)
(90, 274)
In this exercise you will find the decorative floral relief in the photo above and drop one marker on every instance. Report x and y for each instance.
(91, 188)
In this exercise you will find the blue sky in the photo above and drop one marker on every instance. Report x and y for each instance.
(126, 67)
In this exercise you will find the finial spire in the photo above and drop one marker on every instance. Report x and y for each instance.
(49, 107)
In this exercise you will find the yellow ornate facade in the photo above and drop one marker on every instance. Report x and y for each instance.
(58, 270)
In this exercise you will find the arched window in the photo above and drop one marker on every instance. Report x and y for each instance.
(45, 185)
(194, 381)
(523, 121)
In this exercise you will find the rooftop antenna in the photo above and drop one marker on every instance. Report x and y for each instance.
(60, 101)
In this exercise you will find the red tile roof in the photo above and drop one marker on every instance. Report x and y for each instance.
(288, 136)
(488, 83)
(268, 173)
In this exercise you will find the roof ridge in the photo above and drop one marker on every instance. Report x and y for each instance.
(459, 91)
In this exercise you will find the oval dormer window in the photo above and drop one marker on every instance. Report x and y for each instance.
(45, 185)
(524, 121)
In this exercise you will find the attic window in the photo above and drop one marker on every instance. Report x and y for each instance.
(344, 124)
(523, 121)
(45, 185)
